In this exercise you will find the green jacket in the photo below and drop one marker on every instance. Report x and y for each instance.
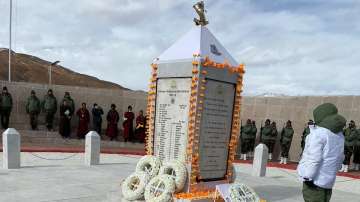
(33, 105)
(286, 135)
(350, 135)
(70, 102)
(357, 138)
(306, 132)
(6, 100)
(253, 131)
(49, 104)
(265, 133)
(246, 132)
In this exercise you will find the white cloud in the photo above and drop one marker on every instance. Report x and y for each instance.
(289, 47)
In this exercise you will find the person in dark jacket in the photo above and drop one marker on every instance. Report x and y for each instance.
(33, 108)
(128, 124)
(287, 134)
(65, 118)
(350, 135)
(113, 120)
(49, 106)
(272, 139)
(305, 133)
(84, 119)
(140, 127)
(6, 104)
(245, 139)
(97, 113)
(356, 155)
(266, 136)
(70, 102)
(253, 134)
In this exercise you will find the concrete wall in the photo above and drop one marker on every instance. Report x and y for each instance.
(104, 97)
(298, 110)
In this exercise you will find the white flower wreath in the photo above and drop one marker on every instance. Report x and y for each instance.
(243, 193)
(160, 189)
(133, 187)
(177, 171)
(149, 164)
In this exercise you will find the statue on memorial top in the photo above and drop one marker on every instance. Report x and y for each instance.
(200, 10)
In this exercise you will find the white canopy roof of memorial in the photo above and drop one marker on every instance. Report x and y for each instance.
(199, 40)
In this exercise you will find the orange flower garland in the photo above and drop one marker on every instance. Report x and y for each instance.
(151, 111)
(193, 135)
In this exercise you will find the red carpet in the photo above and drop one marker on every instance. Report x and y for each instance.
(293, 166)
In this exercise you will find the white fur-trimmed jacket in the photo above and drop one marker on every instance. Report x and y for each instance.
(322, 157)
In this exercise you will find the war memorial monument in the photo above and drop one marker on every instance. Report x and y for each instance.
(194, 118)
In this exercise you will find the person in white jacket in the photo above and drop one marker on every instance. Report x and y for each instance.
(323, 154)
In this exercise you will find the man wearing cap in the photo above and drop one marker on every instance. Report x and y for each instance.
(285, 142)
(305, 133)
(6, 104)
(49, 106)
(33, 108)
(323, 154)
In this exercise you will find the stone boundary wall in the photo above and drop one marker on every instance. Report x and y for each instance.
(298, 110)
(20, 91)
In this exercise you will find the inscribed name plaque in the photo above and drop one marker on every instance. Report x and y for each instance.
(215, 130)
(171, 118)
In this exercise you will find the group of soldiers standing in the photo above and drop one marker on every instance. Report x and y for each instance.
(269, 135)
(49, 105)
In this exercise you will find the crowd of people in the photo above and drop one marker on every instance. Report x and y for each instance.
(49, 106)
(269, 135)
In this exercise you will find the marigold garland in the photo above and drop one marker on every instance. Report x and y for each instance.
(151, 111)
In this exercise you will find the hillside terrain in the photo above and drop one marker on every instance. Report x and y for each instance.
(28, 68)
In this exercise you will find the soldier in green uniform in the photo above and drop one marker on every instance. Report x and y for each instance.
(305, 133)
(285, 142)
(70, 102)
(33, 108)
(49, 106)
(245, 139)
(253, 138)
(273, 136)
(6, 104)
(356, 159)
(265, 136)
(350, 135)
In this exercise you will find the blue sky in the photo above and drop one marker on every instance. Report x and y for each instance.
(292, 47)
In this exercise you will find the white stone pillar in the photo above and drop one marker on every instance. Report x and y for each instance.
(260, 160)
(11, 149)
(92, 148)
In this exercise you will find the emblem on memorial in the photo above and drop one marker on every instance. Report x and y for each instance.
(214, 50)
(173, 84)
(200, 10)
(220, 90)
